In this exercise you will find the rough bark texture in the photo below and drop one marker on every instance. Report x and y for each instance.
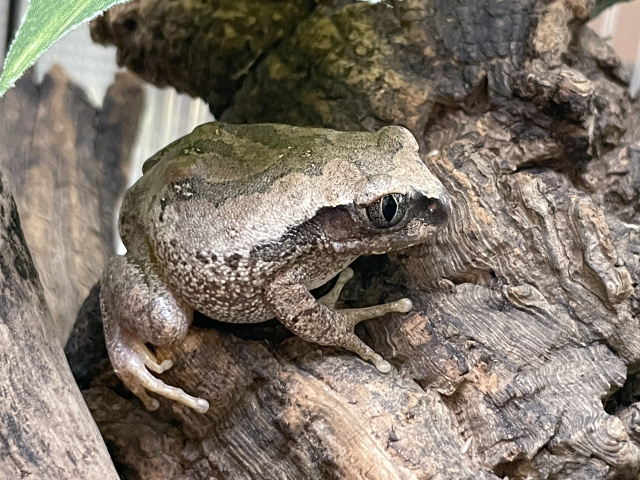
(48, 135)
(521, 356)
(67, 163)
(46, 430)
(201, 48)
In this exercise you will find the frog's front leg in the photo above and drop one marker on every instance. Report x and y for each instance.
(319, 322)
(137, 309)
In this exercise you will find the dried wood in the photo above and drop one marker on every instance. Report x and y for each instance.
(48, 134)
(67, 163)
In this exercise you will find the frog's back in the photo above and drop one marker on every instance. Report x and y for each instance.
(236, 160)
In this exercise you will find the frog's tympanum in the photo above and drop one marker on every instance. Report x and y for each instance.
(239, 222)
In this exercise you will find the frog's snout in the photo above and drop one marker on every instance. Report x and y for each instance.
(437, 210)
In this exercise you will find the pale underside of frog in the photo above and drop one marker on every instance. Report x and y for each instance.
(239, 222)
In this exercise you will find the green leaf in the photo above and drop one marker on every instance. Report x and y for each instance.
(602, 5)
(45, 23)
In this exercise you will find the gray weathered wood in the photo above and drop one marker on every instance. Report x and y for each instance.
(58, 151)
(46, 430)
(67, 163)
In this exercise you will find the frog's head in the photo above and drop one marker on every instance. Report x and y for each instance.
(398, 202)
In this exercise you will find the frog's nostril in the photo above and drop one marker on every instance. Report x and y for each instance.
(437, 209)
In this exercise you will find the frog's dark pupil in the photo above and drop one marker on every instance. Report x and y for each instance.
(389, 207)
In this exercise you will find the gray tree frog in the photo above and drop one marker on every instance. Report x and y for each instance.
(239, 222)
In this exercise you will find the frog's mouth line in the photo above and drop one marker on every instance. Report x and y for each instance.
(382, 244)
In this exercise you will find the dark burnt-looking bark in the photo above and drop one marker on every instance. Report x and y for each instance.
(201, 48)
(522, 353)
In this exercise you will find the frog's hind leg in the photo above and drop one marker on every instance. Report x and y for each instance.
(137, 308)
(319, 322)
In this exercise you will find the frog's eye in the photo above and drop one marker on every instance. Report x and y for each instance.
(387, 211)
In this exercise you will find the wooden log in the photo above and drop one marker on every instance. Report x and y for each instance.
(47, 138)
(67, 163)
(520, 358)
(201, 48)
(46, 430)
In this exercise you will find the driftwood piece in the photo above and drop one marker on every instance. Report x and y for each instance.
(66, 159)
(201, 48)
(67, 163)
(46, 430)
(521, 356)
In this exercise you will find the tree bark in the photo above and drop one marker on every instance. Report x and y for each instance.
(47, 138)
(521, 356)
(68, 163)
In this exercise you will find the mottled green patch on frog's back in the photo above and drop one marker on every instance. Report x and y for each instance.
(211, 152)
(219, 162)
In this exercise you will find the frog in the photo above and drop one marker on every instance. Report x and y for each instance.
(242, 222)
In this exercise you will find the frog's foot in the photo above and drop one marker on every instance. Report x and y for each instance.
(353, 316)
(131, 358)
(324, 324)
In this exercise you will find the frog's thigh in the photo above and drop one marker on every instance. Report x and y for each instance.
(316, 321)
(139, 301)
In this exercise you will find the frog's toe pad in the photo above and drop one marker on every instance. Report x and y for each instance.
(165, 365)
(382, 365)
(150, 403)
(404, 305)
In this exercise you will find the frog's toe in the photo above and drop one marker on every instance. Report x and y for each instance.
(150, 359)
(132, 361)
(353, 316)
(150, 403)
(330, 299)
(147, 381)
(137, 378)
(381, 364)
